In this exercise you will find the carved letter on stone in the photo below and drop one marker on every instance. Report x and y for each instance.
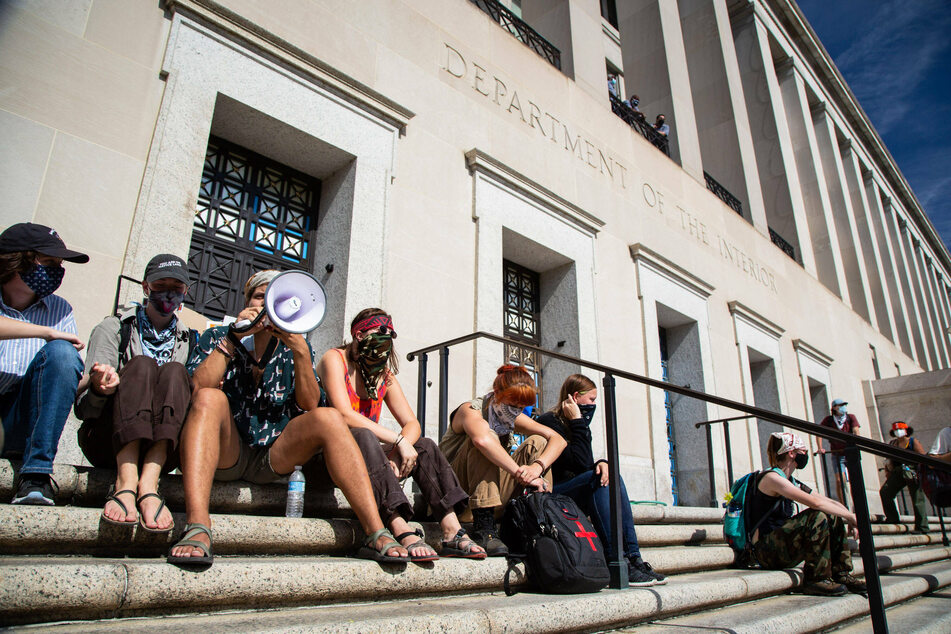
(478, 76)
(454, 59)
(500, 91)
(515, 103)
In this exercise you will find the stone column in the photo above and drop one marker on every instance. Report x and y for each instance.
(921, 260)
(849, 247)
(574, 28)
(898, 300)
(923, 358)
(779, 178)
(655, 68)
(941, 315)
(873, 260)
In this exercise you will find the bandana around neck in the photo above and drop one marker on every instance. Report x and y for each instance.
(156, 344)
(372, 354)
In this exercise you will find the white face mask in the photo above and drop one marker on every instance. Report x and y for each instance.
(900, 433)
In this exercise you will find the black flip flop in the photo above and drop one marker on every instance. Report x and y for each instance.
(138, 504)
(113, 497)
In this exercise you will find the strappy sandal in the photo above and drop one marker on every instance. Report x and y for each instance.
(419, 543)
(138, 504)
(114, 497)
(190, 531)
(370, 551)
(455, 548)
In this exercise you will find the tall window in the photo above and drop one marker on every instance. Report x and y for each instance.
(609, 12)
(522, 316)
(252, 214)
(669, 413)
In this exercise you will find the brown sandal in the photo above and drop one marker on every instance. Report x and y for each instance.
(455, 548)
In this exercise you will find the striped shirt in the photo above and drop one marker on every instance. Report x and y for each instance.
(16, 354)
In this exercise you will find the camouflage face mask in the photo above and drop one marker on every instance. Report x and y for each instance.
(373, 351)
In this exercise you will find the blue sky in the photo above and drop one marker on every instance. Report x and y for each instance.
(896, 57)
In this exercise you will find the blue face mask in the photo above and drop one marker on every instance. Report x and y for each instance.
(43, 279)
(165, 302)
(843, 410)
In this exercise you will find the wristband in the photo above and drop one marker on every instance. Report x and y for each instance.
(540, 464)
(399, 437)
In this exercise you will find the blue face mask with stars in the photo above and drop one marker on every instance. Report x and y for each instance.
(43, 279)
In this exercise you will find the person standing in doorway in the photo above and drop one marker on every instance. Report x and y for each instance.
(840, 419)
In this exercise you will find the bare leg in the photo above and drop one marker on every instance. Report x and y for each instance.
(209, 441)
(323, 428)
(148, 483)
(127, 478)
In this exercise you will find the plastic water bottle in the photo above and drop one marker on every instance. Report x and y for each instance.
(295, 494)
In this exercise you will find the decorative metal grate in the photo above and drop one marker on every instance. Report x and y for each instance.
(637, 121)
(521, 315)
(723, 194)
(522, 31)
(778, 240)
(252, 214)
(669, 415)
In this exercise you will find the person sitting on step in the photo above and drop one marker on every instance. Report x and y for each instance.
(40, 365)
(359, 377)
(135, 393)
(818, 535)
(585, 481)
(900, 475)
(256, 424)
(477, 445)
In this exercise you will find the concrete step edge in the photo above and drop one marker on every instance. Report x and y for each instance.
(798, 613)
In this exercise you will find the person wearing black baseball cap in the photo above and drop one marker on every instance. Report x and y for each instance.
(134, 403)
(38, 376)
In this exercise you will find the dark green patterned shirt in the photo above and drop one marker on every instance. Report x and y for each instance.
(260, 411)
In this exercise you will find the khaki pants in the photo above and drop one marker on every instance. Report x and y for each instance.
(487, 484)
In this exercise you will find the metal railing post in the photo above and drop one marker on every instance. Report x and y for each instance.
(944, 534)
(876, 604)
(421, 393)
(712, 475)
(825, 470)
(443, 390)
(729, 454)
(618, 566)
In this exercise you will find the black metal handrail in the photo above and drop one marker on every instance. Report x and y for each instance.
(854, 445)
(115, 302)
(521, 30)
(638, 121)
(723, 194)
(780, 242)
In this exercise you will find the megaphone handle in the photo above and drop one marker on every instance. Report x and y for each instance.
(244, 325)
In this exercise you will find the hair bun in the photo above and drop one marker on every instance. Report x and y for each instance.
(508, 367)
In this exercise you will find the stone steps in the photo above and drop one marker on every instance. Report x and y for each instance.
(535, 613)
(799, 613)
(928, 614)
(88, 588)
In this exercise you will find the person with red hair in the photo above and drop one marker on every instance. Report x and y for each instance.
(478, 445)
(898, 476)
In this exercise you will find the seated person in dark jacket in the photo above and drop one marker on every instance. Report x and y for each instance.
(585, 481)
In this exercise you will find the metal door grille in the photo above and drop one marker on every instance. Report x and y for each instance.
(521, 316)
(252, 214)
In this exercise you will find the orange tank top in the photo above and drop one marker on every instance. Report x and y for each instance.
(368, 407)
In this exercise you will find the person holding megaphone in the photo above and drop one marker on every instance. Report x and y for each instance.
(255, 416)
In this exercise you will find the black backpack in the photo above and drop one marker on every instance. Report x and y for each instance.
(557, 543)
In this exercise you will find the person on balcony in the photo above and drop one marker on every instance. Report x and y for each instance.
(898, 476)
(818, 535)
(40, 365)
(577, 475)
(359, 377)
(633, 103)
(256, 424)
(478, 442)
(135, 393)
(661, 127)
(840, 419)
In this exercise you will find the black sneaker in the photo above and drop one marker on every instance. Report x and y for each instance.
(35, 488)
(637, 578)
(494, 547)
(646, 569)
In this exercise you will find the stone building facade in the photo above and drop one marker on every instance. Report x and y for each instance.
(472, 165)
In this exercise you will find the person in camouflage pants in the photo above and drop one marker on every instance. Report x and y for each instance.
(817, 538)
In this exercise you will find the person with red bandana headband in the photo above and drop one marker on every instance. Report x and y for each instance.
(134, 396)
(898, 476)
(360, 377)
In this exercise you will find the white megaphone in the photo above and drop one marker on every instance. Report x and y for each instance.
(295, 301)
